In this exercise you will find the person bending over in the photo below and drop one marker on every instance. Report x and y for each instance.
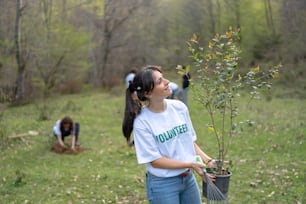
(64, 128)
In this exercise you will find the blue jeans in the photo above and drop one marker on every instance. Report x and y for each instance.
(173, 190)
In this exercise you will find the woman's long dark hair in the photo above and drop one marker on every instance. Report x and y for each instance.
(142, 84)
(66, 120)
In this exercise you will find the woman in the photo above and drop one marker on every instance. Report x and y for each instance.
(164, 140)
(66, 127)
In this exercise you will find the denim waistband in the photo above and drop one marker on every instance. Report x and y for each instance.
(182, 175)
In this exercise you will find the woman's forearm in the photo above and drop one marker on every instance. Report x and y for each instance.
(166, 163)
(202, 154)
(60, 141)
(73, 141)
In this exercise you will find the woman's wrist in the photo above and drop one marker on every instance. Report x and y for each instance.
(207, 161)
(191, 165)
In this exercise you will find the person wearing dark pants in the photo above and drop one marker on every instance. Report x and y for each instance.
(185, 84)
(64, 128)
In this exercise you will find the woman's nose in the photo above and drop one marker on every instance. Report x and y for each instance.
(167, 81)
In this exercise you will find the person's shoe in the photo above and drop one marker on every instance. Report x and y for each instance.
(131, 144)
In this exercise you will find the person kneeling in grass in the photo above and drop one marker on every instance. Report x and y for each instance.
(64, 128)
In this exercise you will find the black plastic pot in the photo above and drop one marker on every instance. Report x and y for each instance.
(222, 182)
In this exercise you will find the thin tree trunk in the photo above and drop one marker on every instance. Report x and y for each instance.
(19, 92)
(106, 52)
(218, 12)
(237, 12)
(212, 17)
(269, 16)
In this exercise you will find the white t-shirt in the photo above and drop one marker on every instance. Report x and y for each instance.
(56, 128)
(168, 134)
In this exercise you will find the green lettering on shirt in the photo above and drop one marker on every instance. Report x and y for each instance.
(161, 138)
(172, 133)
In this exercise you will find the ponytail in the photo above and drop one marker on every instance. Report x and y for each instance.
(142, 84)
(132, 109)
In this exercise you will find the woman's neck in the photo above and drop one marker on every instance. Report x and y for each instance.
(157, 106)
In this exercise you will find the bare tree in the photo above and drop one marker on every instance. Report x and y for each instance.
(48, 66)
(20, 57)
(115, 15)
(59, 49)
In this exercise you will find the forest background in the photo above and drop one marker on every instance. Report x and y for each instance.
(70, 57)
(63, 46)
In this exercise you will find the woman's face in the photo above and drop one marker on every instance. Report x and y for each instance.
(161, 86)
(66, 126)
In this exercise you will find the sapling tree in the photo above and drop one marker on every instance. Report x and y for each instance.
(219, 83)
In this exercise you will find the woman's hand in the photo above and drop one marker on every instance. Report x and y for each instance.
(198, 167)
(213, 164)
(212, 178)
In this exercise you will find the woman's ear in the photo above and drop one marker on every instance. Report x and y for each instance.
(134, 96)
(148, 95)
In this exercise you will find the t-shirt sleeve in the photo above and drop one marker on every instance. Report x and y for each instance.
(145, 145)
(56, 128)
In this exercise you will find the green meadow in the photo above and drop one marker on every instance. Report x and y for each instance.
(268, 155)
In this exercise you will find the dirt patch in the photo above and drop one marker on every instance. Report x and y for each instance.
(57, 148)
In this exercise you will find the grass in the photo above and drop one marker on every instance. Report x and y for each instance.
(269, 158)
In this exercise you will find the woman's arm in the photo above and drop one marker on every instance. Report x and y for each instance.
(166, 163)
(206, 159)
(60, 141)
(73, 141)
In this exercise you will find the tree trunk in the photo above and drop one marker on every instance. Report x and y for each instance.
(237, 13)
(212, 17)
(19, 92)
(269, 16)
(106, 52)
(111, 22)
